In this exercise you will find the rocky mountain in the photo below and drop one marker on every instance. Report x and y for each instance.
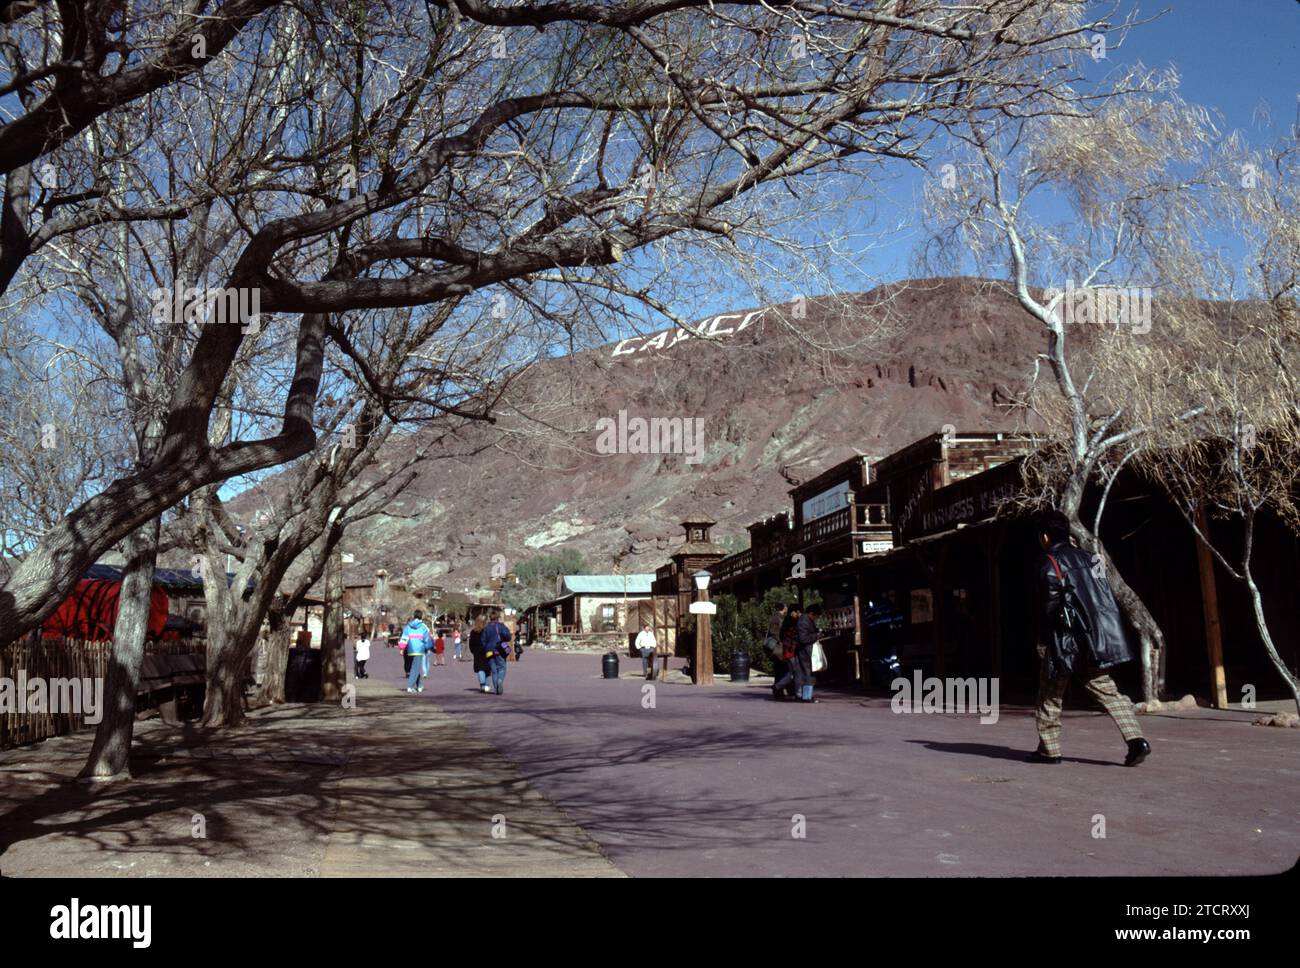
(771, 397)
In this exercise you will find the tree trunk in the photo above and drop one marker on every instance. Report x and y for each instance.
(1257, 603)
(277, 658)
(111, 752)
(1151, 640)
(223, 701)
(333, 671)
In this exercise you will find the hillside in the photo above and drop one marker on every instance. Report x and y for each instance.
(896, 363)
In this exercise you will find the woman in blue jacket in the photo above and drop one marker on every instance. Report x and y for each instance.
(417, 640)
(496, 648)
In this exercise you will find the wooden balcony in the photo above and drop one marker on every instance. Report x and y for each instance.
(852, 525)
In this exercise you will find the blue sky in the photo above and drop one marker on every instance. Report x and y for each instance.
(1234, 56)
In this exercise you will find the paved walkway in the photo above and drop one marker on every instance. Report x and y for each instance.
(570, 774)
(722, 781)
(392, 787)
(423, 797)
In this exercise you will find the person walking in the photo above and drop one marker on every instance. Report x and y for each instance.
(456, 644)
(1082, 636)
(496, 648)
(439, 647)
(417, 640)
(360, 656)
(521, 638)
(806, 634)
(772, 645)
(481, 667)
(788, 683)
(647, 644)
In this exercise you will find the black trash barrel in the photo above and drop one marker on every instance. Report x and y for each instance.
(302, 676)
(740, 666)
(609, 665)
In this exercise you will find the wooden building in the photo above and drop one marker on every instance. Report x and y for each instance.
(951, 590)
(594, 604)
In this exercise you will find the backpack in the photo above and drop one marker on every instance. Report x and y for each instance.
(1074, 634)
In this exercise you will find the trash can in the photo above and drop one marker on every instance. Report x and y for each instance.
(302, 676)
(740, 666)
(609, 665)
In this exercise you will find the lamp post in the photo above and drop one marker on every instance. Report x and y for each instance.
(702, 666)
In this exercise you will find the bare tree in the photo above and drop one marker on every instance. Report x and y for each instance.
(457, 151)
(63, 66)
(1127, 159)
(1239, 459)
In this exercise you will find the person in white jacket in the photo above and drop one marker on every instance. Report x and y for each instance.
(646, 645)
(361, 655)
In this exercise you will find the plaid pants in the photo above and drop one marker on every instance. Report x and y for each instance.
(1051, 693)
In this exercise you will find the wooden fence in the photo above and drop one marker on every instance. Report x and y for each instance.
(34, 658)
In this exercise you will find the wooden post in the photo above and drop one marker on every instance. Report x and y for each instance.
(703, 666)
(859, 632)
(333, 670)
(1210, 606)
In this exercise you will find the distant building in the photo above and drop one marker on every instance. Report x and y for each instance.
(595, 603)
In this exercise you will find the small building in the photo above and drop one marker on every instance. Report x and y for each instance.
(587, 604)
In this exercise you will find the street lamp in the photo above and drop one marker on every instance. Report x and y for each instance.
(702, 579)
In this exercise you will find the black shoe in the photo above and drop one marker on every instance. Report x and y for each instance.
(1038, 756)
(1138, 750)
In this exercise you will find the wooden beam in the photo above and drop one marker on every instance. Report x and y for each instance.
(859, 632)
(1210, 607)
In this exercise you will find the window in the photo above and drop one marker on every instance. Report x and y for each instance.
(607, 618)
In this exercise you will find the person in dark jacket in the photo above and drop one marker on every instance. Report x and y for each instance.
(772, 645)
(1083, 635)
(496, 647)
(481, 667)
(806, 635)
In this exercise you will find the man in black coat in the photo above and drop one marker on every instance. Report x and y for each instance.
(1083, 635)
(806, 633)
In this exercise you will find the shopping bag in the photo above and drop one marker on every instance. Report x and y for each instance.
(818, 657)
